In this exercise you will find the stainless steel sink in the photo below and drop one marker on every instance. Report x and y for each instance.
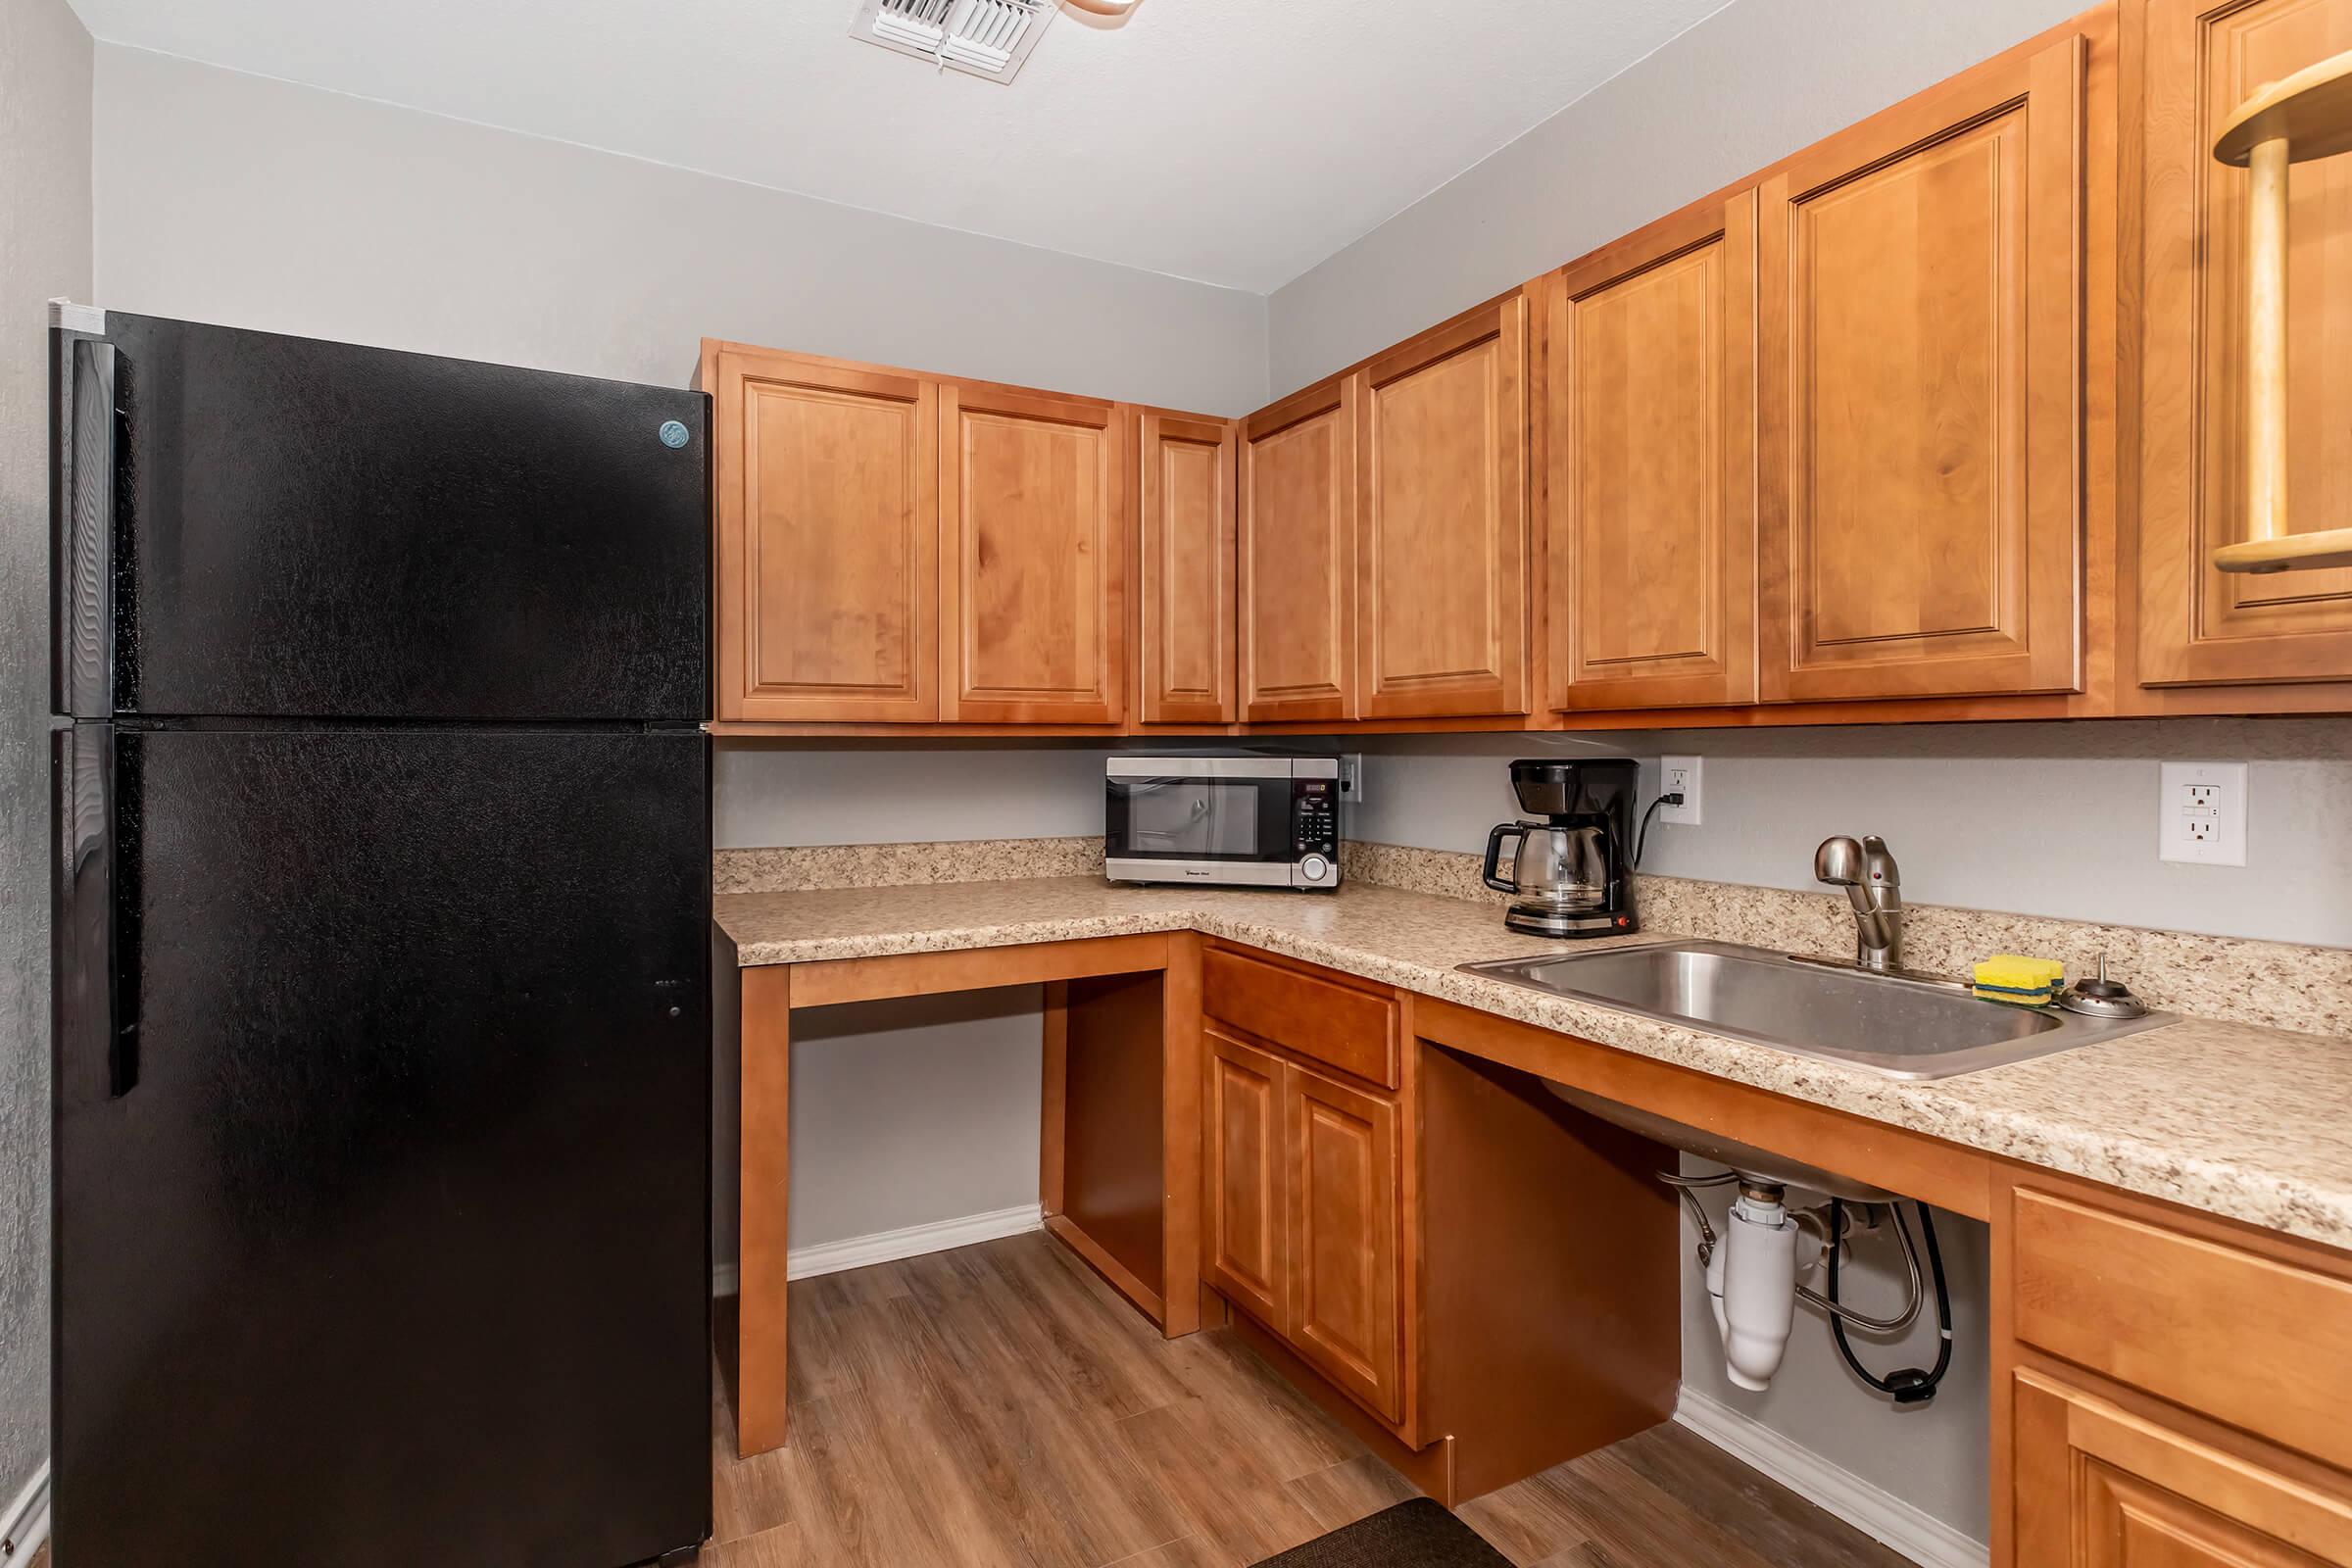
(1905, 1027)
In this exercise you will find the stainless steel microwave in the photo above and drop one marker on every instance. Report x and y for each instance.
(1239, 821)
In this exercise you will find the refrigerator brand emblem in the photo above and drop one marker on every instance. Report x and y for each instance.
(674, 435)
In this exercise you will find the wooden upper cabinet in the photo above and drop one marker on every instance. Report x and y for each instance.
(1442, 559)
(1032, 515)
(2098, 1486)
(1653, 571)
(2196, 624)
(1184, 570)
(1344, 1232)
(827, 543)
(1297, 635)
(1246, 1212)
(1919, 413)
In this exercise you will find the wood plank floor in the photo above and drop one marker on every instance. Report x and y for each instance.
(999, 1406)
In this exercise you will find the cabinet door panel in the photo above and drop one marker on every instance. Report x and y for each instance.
(1653, 557)
(1184, 570)
(1246, 1217)
(1298, 558)
(2100, 1487)
(1343, 1278)
(2196, 624)
(1441, 570)
(827, 546)
(1921, 406)
(1032, 512)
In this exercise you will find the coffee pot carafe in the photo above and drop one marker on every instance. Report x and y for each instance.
(1570, 874)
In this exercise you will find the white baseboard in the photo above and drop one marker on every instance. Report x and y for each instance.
(886, 1247)
(1921, 1537)
(25, 1524)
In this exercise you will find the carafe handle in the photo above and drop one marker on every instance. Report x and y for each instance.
(1502, 830)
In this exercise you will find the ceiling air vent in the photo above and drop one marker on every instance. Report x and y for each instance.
(982, 38)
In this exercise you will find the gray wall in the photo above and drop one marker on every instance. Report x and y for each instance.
(231, 198)
(236, 199)
(879, 793)
(44, 251)
(1753, 84)
(2052, 819)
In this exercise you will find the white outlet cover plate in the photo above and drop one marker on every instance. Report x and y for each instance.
(1352, 778)
(1686, 813)
(2202, 813)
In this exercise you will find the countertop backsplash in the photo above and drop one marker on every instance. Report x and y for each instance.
(2275, 984)
(2279, 985)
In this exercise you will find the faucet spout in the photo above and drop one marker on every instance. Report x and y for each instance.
(1874, 887)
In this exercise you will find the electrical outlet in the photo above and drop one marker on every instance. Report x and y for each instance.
(2201, 811)
(1679, 776)
(1352, 778)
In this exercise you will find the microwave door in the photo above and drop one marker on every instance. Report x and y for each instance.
(1194, 819)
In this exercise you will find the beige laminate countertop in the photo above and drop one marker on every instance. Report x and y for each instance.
(2239, 1120)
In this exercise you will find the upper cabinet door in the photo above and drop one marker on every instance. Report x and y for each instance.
(827, 544)
(1184, 570)
(1441, 562)
(1653, 421)
(1919, 413)
(2197, 624)
(1032, 510)
(1297, 640)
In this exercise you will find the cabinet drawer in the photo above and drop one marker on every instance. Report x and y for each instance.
(2258, 1343)
(1343, 1026)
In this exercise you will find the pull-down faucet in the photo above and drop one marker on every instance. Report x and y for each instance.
(1874, 888)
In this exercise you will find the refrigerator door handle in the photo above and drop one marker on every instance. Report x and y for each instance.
(97, 1003)
(81, 529)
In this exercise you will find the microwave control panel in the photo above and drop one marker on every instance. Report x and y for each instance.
(1315, 816)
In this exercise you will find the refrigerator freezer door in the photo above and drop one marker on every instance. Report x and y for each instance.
(394, 1248)
(316, 530)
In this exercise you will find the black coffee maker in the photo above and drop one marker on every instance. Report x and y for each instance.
(1572, 874)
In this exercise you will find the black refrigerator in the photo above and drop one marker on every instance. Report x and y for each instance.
(381, 884)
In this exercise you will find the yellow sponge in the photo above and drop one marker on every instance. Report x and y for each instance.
(2008, 977)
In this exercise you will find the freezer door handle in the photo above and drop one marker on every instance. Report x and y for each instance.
(97, 950)
(86, 453)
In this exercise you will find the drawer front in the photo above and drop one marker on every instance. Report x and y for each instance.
(1340, 1025)
(2260, 1344)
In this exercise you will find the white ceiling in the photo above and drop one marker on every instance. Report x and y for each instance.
(1234, 141)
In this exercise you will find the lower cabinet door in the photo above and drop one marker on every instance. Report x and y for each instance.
(1342, 1153)
(1245, 1222)
(2100, 1487)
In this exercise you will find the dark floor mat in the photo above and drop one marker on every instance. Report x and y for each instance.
(1412, 1534)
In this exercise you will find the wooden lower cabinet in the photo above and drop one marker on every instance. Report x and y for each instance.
(2098, 1486)
(1245, 1225)
(2176, 1387)
(1341, 1147)
(1404, 1232)
(1303, 1168)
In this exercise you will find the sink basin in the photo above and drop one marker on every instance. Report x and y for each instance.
(1901, 1027)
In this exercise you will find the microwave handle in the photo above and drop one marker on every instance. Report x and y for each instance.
(1502, 830)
